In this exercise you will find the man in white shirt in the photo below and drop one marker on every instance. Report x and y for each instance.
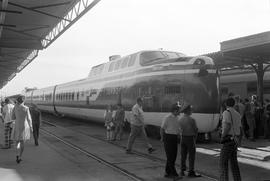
(169, 132)
(8, 122)
(137, 127)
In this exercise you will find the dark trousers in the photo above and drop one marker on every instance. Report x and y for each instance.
(170, 145)
(8, 130)
(229, 153)
(35, 132)
(267, 127)
(136, 131)
(118, 131)
(188, 147)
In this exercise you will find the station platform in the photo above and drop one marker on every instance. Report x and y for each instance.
(54, 161)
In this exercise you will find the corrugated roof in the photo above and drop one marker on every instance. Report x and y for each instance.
(243, 51)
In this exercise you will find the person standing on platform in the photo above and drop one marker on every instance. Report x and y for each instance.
(108, 117)
(231, 130)
(23, 126)
(36, 119)
(169, 133)
(250, 117)
(239, 107)
(189, 131)
(137, 127)
(8, 122)
(267, 120)
(119, 121)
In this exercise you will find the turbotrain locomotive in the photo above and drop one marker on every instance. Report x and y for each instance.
(160, 77)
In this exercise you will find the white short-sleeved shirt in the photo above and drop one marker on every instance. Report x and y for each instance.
(235, 125)
(170, 124)
(137, 115)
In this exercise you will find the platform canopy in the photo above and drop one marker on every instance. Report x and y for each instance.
(243, 51)
(249, 52)
(27, 26)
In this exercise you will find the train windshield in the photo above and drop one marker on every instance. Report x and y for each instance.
(150, 57)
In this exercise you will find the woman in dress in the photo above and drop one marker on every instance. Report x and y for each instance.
(23, 125)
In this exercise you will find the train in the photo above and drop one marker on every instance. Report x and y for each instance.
(160, 77)
(242, 82)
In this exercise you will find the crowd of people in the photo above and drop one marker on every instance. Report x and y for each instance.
(173, 129)
(19, 122)
(255, 118)
(238, 120)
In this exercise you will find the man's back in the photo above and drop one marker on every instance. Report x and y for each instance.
(35, 114)
(188, 126)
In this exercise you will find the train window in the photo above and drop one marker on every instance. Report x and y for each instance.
(78, 95)
(172, 90)
(125, 62)
(117, 65)
(111, 67)
(224, 90)
(148, 57)
(72, 95)
(171, 54)
(132, 60)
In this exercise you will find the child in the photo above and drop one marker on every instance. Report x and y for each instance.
(108, 117)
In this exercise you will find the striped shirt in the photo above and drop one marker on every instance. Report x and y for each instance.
(188, 126)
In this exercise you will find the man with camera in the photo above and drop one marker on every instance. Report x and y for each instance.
(230, 138)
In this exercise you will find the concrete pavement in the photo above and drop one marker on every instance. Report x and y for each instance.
(54, 161)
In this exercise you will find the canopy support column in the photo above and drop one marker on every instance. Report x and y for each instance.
(260, 75)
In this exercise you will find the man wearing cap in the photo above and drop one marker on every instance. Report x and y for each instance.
(189, 131)
(169, 133)
(137, 127)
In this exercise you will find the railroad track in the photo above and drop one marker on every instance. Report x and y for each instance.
(93, 156)
(147, 156)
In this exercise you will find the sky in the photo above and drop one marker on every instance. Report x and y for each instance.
(122, 27)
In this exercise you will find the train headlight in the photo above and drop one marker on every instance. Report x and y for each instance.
(199, 61)
(203, 72)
